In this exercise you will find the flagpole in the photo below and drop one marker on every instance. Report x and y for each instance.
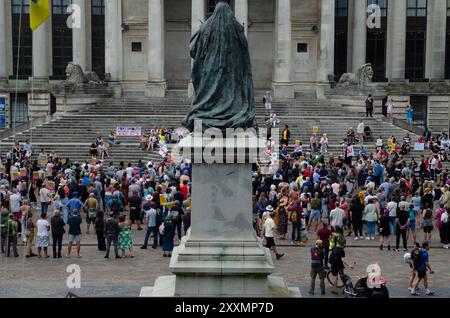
(17, 75)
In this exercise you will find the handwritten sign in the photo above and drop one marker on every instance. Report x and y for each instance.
(419, 146)
(23, 172)
(16, 175)
(36, 175)
(129, 131)
(51, 185)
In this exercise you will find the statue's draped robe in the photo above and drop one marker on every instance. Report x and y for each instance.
(221, 74)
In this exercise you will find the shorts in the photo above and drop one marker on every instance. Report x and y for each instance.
(270, 241)
(315, 215)
(90, 220)
(268, 106)
(409, 121)
(74, 238)
(412, 226)
(335, 270)
(421, 274)
(427, 229)
(135, 215)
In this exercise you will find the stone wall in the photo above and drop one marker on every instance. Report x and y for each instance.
(438, 114)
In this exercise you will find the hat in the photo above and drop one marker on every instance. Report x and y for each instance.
(269, 208)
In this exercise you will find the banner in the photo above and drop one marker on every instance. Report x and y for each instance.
(128, 131)
(419, 147)
(2, 111)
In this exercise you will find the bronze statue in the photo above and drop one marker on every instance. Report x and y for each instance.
(221, 74)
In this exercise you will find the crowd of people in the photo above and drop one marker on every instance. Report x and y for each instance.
(108, 199)
(371, 196)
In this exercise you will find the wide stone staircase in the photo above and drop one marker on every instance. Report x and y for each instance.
(71, 134)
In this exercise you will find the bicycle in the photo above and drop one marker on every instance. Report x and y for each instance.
(344, 281)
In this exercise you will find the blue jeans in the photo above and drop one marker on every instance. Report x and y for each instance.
(154, 230)
(44, 207)
(371, 228)
(392, 224)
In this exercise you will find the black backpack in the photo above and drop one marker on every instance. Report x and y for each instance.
(416, 257)
(334, 258)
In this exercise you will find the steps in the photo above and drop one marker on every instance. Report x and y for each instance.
(71, 135)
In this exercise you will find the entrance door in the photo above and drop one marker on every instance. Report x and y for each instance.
(134, 53)
(419, 104)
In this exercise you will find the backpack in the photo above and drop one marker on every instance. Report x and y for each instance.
(316, 255)
(334, 258)
(264, 99)
(416, 258)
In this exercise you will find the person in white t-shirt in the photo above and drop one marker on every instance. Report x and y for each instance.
(392, 208)
(270, 230)
(43, 228)
(337, 217)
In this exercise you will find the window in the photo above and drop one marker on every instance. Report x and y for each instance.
(26, 39)
(98, 7)
(419, 104)
(417, 8)
(60, 6)
(382, 4)
(19, 108)
(17, 4)
(136, 47)
(341, 8)
(302, 47)
(415, 55)
(98, 37)
(62, 38)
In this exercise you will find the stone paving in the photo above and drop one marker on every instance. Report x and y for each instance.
(21, 277)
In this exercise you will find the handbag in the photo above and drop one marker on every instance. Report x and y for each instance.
(161, 229)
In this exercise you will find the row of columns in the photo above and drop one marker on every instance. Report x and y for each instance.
(282, 78)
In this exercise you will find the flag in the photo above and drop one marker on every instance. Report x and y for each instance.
(39, 12)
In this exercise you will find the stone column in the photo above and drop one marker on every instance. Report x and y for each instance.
(436, 34)
(326, 57)
(41, 48)
(396, 55)
(198, 11)
(241, 13)
(113, 43)
(359, 34)
(79, 36)
(156, 85)
(3, 46)
(283, 87)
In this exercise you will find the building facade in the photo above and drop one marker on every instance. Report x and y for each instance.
(295, 45)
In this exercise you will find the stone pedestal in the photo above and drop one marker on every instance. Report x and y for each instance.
(221, 255)
(73, 98)
(283, 90)
(156, 89)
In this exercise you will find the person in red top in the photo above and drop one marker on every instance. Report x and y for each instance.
(184, 188)
(324, 235)
(307, 173)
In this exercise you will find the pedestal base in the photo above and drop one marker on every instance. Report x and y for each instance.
(156, 89)
(165, 287)
(191, 90)
(283, 90)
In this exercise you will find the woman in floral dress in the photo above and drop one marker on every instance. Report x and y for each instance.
(125, 241)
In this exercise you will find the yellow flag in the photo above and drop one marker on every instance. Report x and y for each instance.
(39, 12)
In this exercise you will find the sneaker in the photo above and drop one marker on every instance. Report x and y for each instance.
(372, 238)
(279, 256)
(414, 293)
(117, 256)
(405, 250)
(143, 248)
(410, 289)
(368, 238)
(381, 247)
(107, 257)
(356, 238)
(389, 247)
(429, 292)
(311, 293)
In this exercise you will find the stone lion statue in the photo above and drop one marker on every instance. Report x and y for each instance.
(362, 78)
(75, 75)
